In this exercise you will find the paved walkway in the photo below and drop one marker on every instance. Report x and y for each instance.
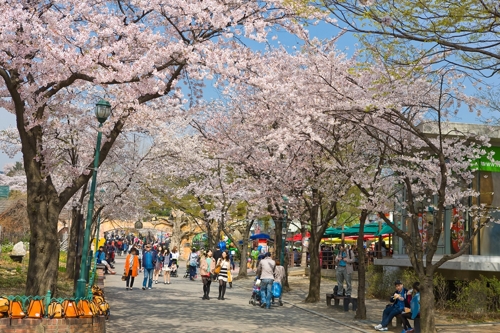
(178, 307)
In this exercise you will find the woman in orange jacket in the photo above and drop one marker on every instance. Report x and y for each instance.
(131, 267)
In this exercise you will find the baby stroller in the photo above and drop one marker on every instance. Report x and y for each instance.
(186, 275)
(173, 272)
(255, 298)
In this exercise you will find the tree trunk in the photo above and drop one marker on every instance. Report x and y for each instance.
(303, 258)
(427, 322)
(73, 237)
(314, 273)
(43, 214)
(71, 257)
(361, 311)
(243, 271)
(79, 247)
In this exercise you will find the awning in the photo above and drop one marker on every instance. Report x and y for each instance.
(386, 229)
(260, 236)
(298, 237)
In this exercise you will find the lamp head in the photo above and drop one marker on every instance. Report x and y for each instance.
(102, 110)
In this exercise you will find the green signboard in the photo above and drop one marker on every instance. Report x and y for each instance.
(4, 191)
(485, 164)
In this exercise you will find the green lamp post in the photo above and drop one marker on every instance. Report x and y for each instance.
(102, 112)
(284, 230)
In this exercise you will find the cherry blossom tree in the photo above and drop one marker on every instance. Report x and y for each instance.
(59, 58)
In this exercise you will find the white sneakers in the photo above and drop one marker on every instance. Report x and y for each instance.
(380, 328)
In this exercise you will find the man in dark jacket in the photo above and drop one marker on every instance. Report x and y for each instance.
(399, 302)
(148, 263)
(217, 253)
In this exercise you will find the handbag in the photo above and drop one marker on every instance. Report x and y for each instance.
(217, 269)
(124, 277)
(407, 310)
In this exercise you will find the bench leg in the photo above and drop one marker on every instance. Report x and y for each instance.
(416, 325)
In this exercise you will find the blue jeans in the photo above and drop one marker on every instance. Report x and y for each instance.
(266, 288)
(389, 313)
(148, 275)
(192, 272)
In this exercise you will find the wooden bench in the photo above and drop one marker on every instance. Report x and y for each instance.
(346, 301)
(416, 323)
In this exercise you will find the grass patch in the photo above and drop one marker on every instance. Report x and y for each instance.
(13, 275)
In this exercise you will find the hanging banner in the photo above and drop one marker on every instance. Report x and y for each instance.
(457, 233)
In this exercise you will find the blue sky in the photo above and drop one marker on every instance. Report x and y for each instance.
(347, 43)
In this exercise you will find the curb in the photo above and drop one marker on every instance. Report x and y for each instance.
(329, 318)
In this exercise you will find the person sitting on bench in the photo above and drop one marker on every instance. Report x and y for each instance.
(397, 306)
(414, 308)
(101, 255)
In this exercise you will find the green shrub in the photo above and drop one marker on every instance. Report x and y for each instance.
(476, 299)
(380, 284)
(7, 247)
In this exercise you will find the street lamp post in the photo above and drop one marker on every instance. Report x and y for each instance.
(284, 231)
(102, 112)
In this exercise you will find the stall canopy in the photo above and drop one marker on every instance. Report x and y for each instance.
(332, 232)
(369, 229)
(260, 236)
(386, 229)
(298, 237)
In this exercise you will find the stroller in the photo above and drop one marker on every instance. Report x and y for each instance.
(255, 298)
(173, 272)
(186, 275)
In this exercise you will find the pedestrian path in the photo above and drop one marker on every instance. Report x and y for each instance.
(178, 307)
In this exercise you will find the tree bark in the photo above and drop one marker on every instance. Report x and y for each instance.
(427, 321)
(73, 237)
(314, 273)
(243, 271)
(71, 257)
(43, 212)
(361, 311)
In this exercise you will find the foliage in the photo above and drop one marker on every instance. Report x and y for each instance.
(463, 33)
(477, 299)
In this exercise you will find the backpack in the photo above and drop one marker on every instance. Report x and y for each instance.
(55, 310)
(193, 261)
(97, 291)
(16, 310)
(102, 305)
(35, 309)
(84, 309)
(70, 309)
(4, 305)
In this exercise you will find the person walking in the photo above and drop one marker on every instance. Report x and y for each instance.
(158, 263)
(167, 266)
(279, 277)
(131, 268)
(175, 259)
(193, 263)
(225, 266)
(148, 263)
(265, 271)
(345, 259)
(207, 268)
